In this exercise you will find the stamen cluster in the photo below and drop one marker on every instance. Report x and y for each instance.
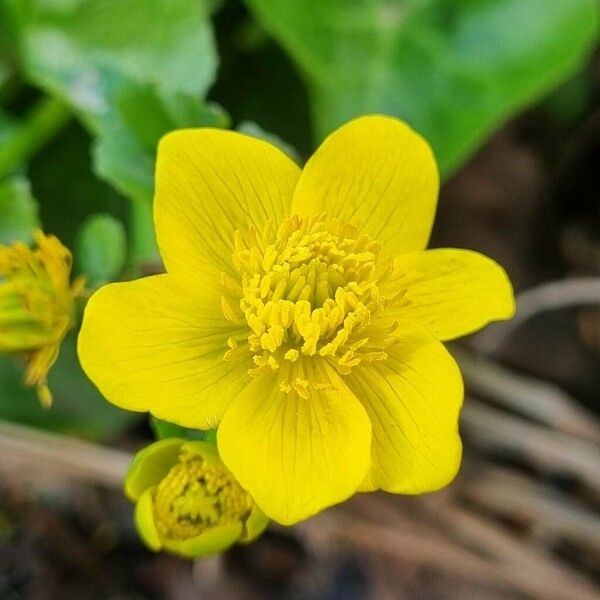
(36, 305)
(195, 496)
(316, 289)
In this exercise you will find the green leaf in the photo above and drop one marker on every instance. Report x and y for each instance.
(101, 249)
(258, 82)
(454, 69)
(78, 407)
(124, 152)
(18, 211)
(255, 130)
(67, 188)
(31, 133)
(6, 68)
(569, 103)
(165, 429)
(75, 46)
(8, 127)
(163, 112)
(130, 69)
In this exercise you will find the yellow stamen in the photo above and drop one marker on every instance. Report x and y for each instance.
(317, 288)
(196, 496)
(36, 305)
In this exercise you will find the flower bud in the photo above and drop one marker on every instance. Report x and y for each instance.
(36, 305)
(187, 501)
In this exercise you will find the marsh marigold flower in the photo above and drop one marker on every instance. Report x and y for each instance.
(301, 314)
(187, 501)
(36, 305)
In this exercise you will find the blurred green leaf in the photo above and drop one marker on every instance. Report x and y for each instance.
(8, 127)
(18, 210)
(454, 69)
(255, 130)
(124, 153)
(66, 188)
(163, 112)
(101, 249)
(165, 429)
(74, 47)
(6, 68)
(131, 69)
(78, 407)
(29, 134)
(259, 82)
(571, 101)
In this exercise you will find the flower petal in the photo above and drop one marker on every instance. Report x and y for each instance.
(296, 456)
(413, 400)
(157, 344)
(150, 465)
(256, 523)
(144, 520)
(210, 182)
(378, 174)
(454, 292)
(210, 541)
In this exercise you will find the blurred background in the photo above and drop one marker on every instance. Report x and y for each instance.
(508, 93)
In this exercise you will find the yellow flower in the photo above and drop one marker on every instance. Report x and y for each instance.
(187, 502)
(300, 314)
(36, 305)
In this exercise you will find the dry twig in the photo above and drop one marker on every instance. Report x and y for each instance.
(549, 512)
(535, 398)
(553, 295)
(34, 453)
(544, 448)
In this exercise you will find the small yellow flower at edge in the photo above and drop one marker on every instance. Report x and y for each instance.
(301, 314)
(187, 502)
(36, 305)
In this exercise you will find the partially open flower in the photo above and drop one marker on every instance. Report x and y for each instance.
(36, 305)
(187, 501)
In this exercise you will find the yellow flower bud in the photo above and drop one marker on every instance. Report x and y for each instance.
(36, 305)
(187, 501)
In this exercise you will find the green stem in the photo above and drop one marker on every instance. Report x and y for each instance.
(40, 125)
(210, 435)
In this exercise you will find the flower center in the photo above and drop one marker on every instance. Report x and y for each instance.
(196, 496)
(315, 288)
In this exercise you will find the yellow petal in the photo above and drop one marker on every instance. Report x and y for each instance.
(150, 465)
(210, 182)
(454, 292)
(211, 541)
(157, 344)
(378, 174)
(144, 520)
(295, 456)
(256, 523)
(413, 400)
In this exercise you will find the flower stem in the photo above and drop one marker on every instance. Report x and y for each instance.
(40, 125)
(210, 435)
